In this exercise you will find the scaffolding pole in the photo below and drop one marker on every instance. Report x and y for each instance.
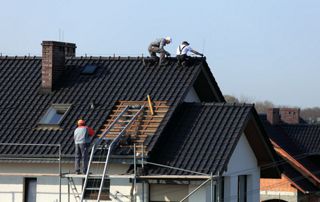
(60, 172)
(68, 190)
(142, 167)
(135, 173)
(175, 168)
(211, 188)
(218, 187)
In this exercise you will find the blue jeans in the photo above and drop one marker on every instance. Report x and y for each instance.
(81, 153)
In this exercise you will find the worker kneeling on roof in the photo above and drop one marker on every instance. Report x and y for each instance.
(182, 53)
(157, 46)
(82, 139)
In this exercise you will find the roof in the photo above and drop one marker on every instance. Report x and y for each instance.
(202, 138)
(277, 134)
(297, 179)
(305, 136)
(291, 142)
(116, 78)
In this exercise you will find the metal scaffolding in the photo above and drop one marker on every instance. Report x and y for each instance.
(134, 177)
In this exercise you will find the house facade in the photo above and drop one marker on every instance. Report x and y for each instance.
(188, 143)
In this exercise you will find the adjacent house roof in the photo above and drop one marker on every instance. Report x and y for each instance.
(22, 104)
(294, 143)
(305, 136)
(202, 138)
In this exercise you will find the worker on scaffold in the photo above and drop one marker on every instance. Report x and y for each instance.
(82, 139)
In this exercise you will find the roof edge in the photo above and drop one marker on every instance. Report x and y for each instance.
(297, 165)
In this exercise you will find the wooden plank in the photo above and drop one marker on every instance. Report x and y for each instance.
(162, 106)
(145, 125)
(129, 134)
(136, 130)
(154, 116)
(142, 121)
(131, 146)
(132, 101)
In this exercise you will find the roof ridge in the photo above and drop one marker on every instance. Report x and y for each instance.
(115, 57)
(90, 57)
(20, 57)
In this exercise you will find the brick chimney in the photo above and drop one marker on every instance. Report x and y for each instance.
(273, 115)
(290, 115)
(283, 115)
(53, 62)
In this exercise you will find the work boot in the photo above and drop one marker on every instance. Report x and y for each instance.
(153, 61)
(164, 62)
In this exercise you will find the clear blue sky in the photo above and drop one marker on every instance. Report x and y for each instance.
(259, 49)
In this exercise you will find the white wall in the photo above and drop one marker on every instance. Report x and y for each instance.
(162, 192)
(47, 187)
(11, 187)
(192, 96)
(242, 162)
(202, 194)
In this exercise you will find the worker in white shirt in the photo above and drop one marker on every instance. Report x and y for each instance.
(182, 53)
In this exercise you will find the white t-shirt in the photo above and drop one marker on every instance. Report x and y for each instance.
(183, 49)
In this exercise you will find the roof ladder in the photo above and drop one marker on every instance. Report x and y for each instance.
(104, 143)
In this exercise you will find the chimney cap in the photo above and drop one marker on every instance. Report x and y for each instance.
(59, 43)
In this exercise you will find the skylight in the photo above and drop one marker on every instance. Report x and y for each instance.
(55, 114)
(89, 69)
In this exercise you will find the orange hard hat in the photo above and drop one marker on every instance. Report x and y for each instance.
(81, 122)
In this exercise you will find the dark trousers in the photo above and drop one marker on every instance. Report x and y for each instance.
(81, 153)
(183, 59)
(153, 50)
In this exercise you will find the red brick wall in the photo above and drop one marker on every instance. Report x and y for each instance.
(284, 115)
(290, 115)
(276, 185)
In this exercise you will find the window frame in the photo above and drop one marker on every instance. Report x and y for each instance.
(89, 69)
(65, 107)
(26, 185)
(242, 196)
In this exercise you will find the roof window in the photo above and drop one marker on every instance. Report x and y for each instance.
(55, 114)
(89, 69)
